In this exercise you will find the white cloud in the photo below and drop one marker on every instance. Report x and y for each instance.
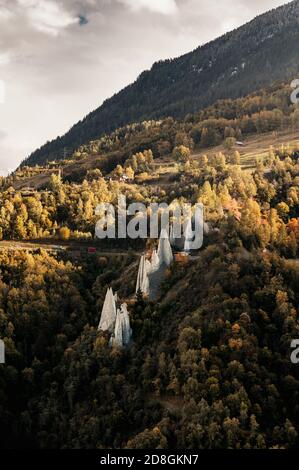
(47, 16)
(4, 58)
(55, 73)
(160, 6)
(2, 94)
(5, 14)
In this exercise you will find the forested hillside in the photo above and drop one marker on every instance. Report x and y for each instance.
(209, 365)
(254, 56)
(224, 122)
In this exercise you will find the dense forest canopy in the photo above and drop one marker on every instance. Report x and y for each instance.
(209, 366)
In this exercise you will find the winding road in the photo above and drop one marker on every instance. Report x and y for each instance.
(61, 246)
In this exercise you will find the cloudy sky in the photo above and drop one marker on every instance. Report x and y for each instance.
(61, 59)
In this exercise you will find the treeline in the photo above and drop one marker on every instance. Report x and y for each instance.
(255, 56)
(209, 367)
(210, 364)
(46, 304)
(266, 111)
(265, 200)
(64, 211)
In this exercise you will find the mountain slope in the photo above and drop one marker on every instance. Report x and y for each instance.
(254, 55)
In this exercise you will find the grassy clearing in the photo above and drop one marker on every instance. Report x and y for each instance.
(256, 147)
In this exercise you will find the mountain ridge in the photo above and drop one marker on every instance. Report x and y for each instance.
(257, 54)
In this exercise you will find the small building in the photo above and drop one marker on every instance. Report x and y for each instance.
(181, 258)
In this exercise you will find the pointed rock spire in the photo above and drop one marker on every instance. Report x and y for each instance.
(171, 237)
(142, 278)
(122, 332)
(126, 328)
(117, 339)
(206, 228)
(108, 315)
(155, 262)
(164, 249)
